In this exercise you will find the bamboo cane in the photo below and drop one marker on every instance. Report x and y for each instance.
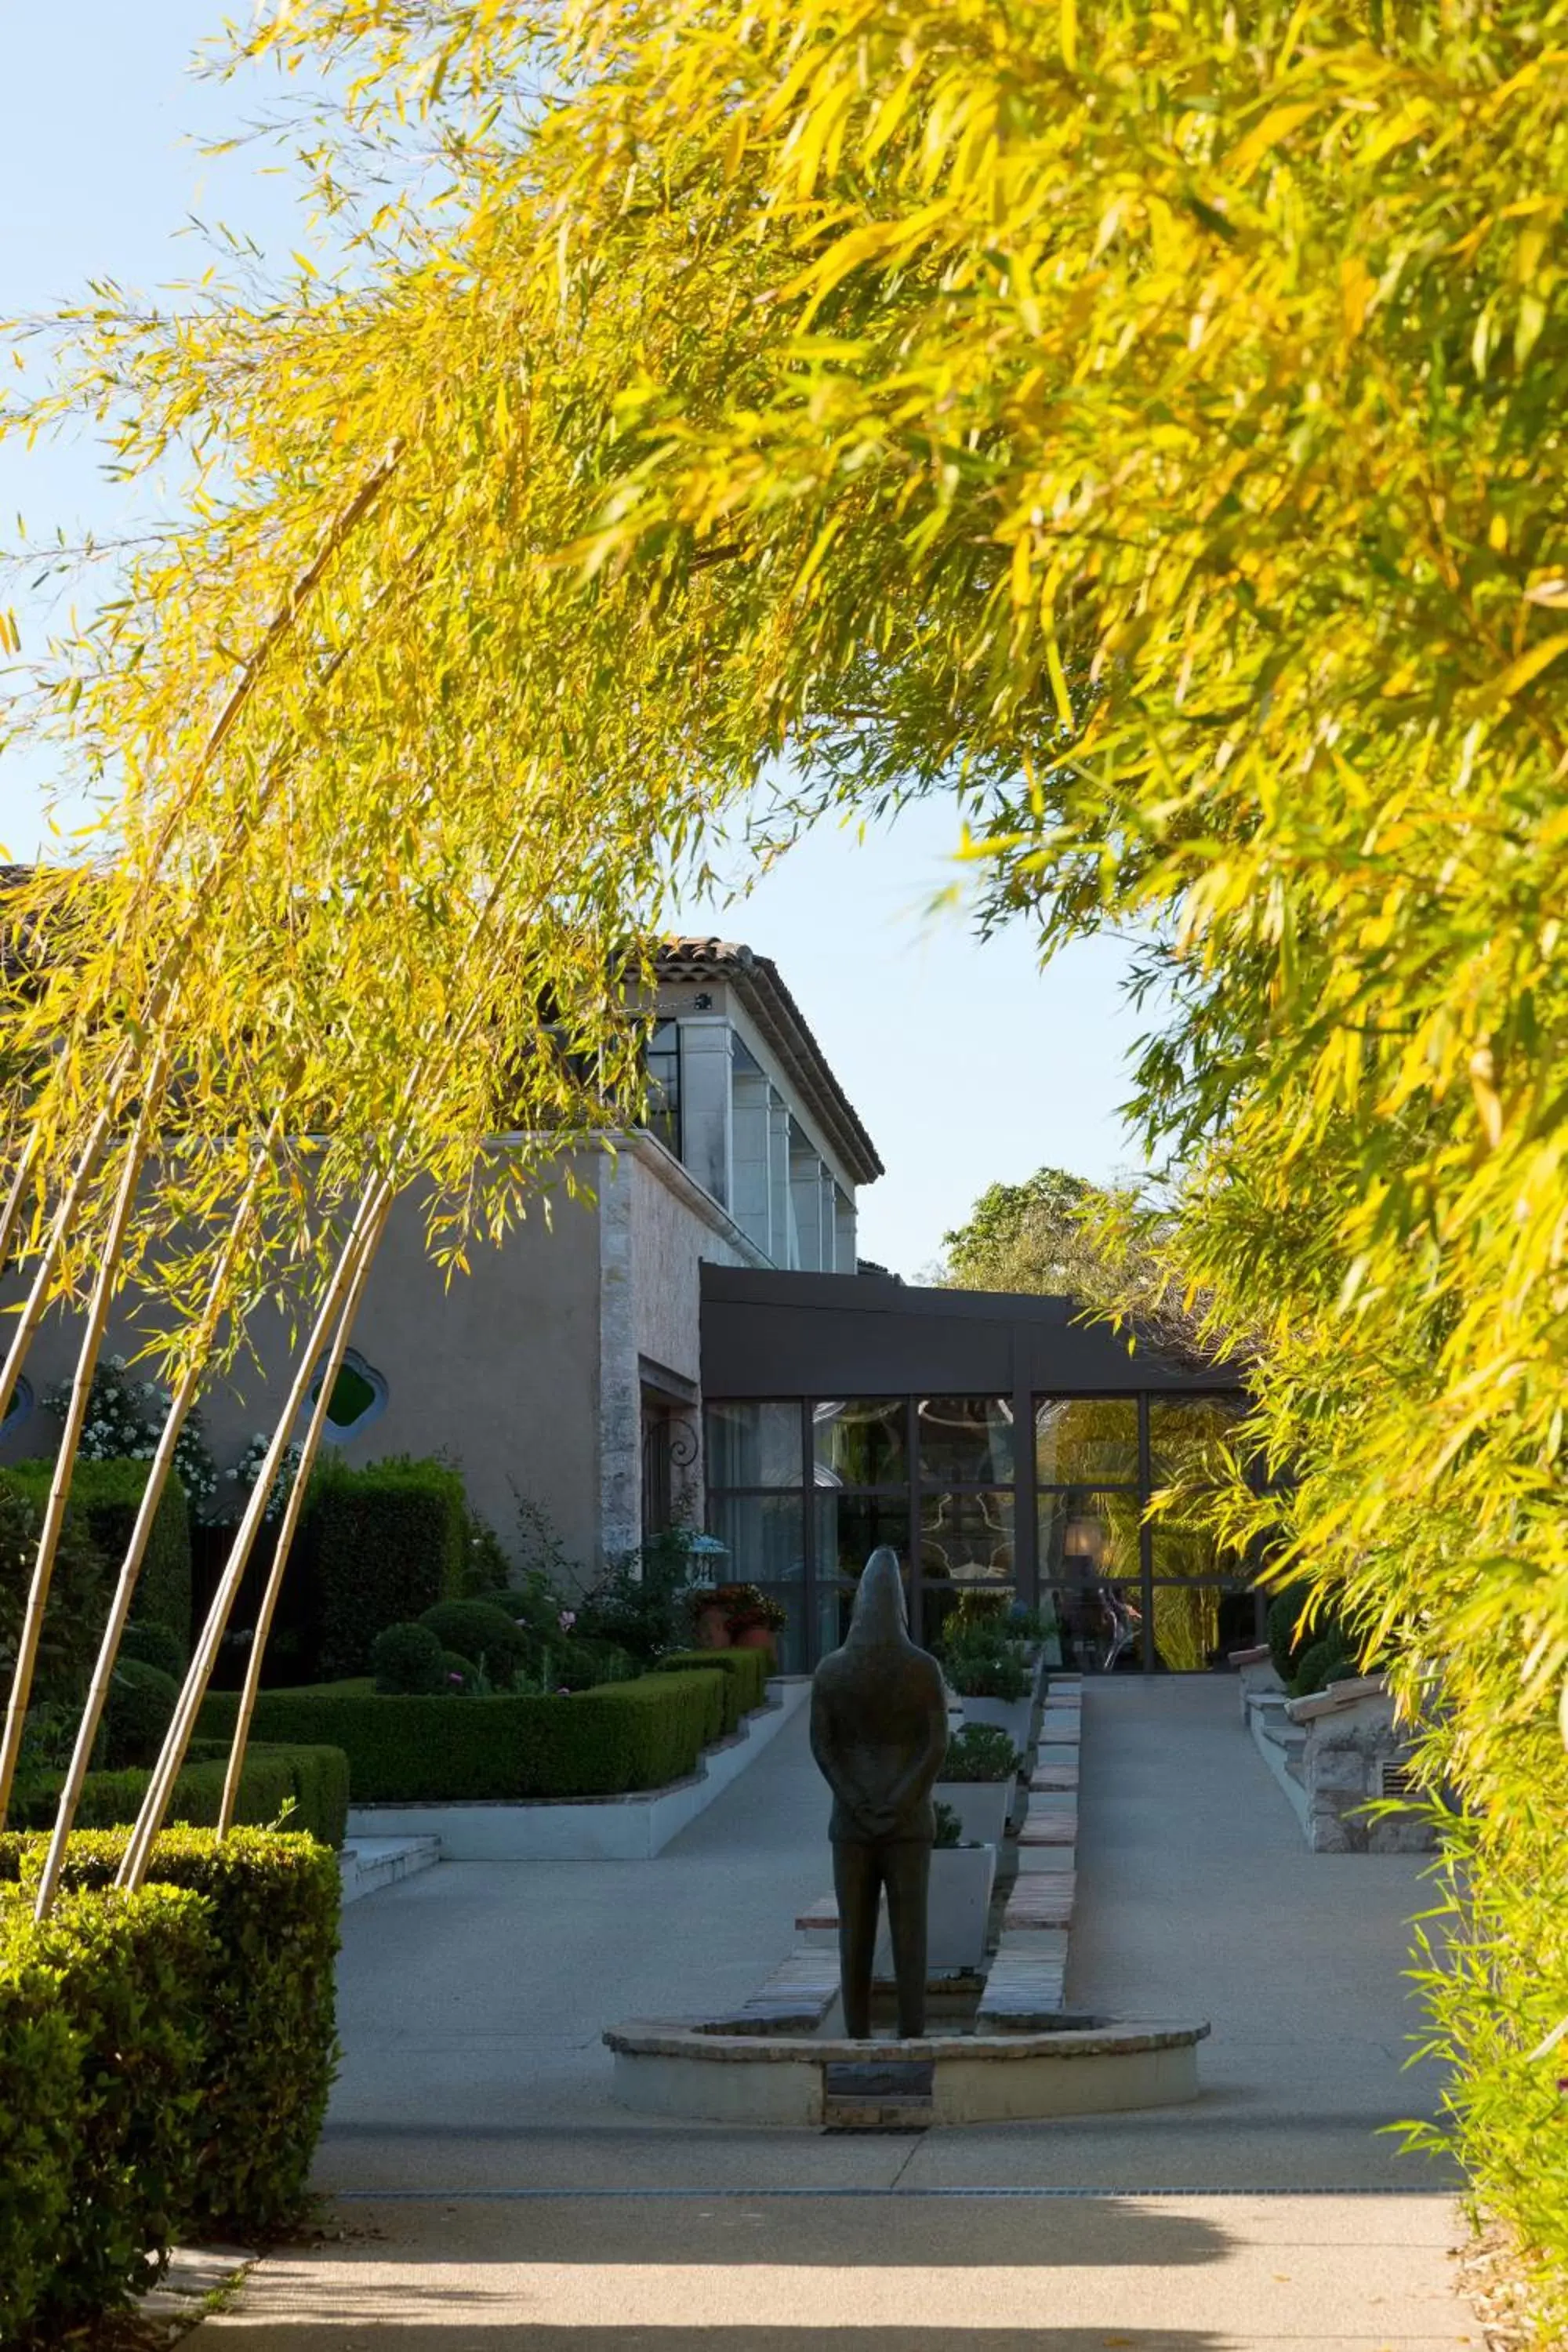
(11, 1215)
(157, 1478)
(154, 1804)
(76, 1415)
(364, 1249)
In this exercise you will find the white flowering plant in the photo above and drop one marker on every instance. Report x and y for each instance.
(248, 1469)
(125, 1419)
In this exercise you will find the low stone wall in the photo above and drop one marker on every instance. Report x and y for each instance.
(1352, 1739)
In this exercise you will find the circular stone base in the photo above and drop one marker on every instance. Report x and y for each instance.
(675, 2067)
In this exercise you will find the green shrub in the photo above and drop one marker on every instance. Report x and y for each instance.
(105, 1497)
(142, 1702)
(1325, 1662)
(949, 1826)
(314, 1781)
(40, 2106)
(601, 1742)
(1284, 1646)
(981, 1751)
(387, 1542)
(78, 1602)
(254, 2113)
(405, 1658)
(990, 1673)
(482, 1633)
(459, 1677)
(135, 1977)
(154, 1645)
(745, 1672)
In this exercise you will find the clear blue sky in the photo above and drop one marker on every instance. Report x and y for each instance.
(966, 1063)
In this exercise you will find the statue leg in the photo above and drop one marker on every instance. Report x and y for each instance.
(906, 1868)
(857, 1883)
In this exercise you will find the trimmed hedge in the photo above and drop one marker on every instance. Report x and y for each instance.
(105, 1497)
(414, 1751)
(745, 1676)
(314, 1780)
(164, 2059)
(142, 1702)
(387, 1542)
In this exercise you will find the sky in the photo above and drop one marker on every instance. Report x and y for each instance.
(968, 1064)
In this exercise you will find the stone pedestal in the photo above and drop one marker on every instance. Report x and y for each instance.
(1352, 1737)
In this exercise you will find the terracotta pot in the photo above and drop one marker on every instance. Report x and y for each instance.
(711, 1628)
(753, 1637)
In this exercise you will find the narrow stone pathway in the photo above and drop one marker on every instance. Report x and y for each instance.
(491, 2198)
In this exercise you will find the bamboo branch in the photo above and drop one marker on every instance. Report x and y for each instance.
(157, 1479)
(361, 1244)
(166, 1771)
(11, 1216)
(65, 1218)
(60, 1484)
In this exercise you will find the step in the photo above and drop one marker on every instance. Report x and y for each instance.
(367, 1864)
(1039, 1900)
(1063, 1777)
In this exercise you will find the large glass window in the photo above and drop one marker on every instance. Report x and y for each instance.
(754, 1444)
(1188, 1437)
(859, 1441)
(1087, 1537)
(968, 1536)
(764, 1536)
(850, 1526)
(1085, 1440)
(662, 1061)
(964, 1441)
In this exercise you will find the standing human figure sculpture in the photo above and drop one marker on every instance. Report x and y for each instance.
(879, 1732)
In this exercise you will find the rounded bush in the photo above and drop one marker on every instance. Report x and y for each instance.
(153, 1644)
(981, 1751)
(1327, 1661)
(949, 1826)
(1285, 1649)
(142, 1701)
(482, 1633)
(406, 1658)
(457, 1675)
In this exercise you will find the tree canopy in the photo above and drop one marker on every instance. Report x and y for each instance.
(1143, 424)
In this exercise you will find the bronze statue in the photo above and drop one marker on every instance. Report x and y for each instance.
(879, 1732)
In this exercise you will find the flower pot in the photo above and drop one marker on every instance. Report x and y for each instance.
(958, 1905)
(710, 1629)
(980, 1806)
(1009, 1715)
(753, 1637)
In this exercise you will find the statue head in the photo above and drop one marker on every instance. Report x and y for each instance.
(880, 1614)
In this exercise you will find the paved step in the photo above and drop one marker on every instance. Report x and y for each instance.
(1024, 1992)
(1039, 1900)
(1049, 1828)
(367, 1864)
(1054, 1776)
(795, 1999)
(1047, 1860)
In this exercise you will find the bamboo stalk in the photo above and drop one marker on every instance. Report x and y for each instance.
(11, 1215)
(166, 1771)
(364, 1244)
(157, 1479)
(76, 1415)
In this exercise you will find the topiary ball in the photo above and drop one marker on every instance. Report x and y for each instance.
(1319, 1664)
(457, 1675)
(142, 1702)
(406, 1660)
(482, 1632)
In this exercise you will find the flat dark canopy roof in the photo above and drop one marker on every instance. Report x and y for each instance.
(817, 1335)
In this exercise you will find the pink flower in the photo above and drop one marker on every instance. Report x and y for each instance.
(567, 1619)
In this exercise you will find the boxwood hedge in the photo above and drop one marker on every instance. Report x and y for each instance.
(313, 1781)
(164, 2059)
(385, 1543)
(105, 1497)
(745, 1674)
(414, 1749)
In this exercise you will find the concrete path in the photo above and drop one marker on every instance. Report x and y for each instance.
(491, 2195)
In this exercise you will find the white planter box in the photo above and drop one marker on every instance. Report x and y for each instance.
(1009, 1715)
(981, 1805)
(962, 1877)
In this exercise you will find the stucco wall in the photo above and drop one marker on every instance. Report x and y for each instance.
(498, 1368)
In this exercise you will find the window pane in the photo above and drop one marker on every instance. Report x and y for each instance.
(968, 1536)
(1088, 1539)
(966, 1440)
(662, 1064)
(764, 1535)
(1085, 1440)
(1187, 1639)
(850, 1526)
(1185, 1550)
(754, 1444)
(1097, 1628)
(859, 1441)
(790, 1640)
(1187, 1436)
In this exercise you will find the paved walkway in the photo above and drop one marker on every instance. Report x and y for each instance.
(493, 2196)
